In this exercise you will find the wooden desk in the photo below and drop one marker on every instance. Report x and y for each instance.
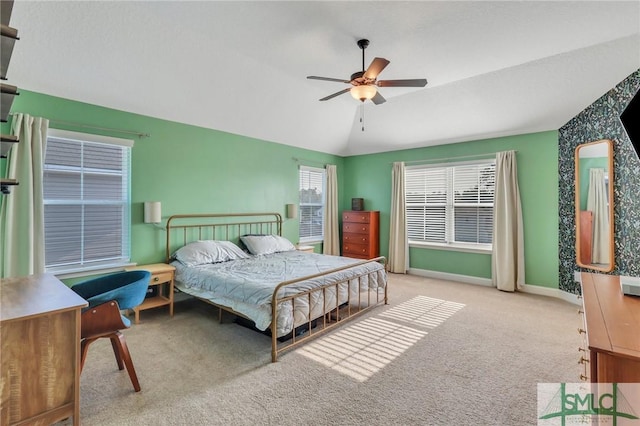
(40, 332)
(612, 323)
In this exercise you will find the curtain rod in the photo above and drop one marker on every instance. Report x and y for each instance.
(305, 160)
(462, 157)
(87, 126)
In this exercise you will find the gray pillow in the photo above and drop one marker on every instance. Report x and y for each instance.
(266, 244)
(208, 251)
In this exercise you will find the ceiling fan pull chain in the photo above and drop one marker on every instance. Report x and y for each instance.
(362, 115)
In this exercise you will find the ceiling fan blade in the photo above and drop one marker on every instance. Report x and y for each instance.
(376, 67)
(339, 80)
(417, 82)
(378, 99)
(326, 98)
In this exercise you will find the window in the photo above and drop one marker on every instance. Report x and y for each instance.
(451, 205)
(312, 181)
(86, 201)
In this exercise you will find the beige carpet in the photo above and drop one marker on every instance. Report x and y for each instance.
(441, 353)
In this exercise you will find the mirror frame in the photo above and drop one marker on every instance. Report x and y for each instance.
(579, 262)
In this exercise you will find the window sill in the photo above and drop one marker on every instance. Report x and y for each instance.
(464, 248)
(62, 273)
(310, 241)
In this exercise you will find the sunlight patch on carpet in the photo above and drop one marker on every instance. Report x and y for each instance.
(362, 349)
(366, 347)
(424, 311)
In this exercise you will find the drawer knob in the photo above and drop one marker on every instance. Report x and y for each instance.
(583, 360)
(580, 311)
(582, 350)
(582, 331)
(156, 278)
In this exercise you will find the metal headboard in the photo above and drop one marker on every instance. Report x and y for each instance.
(185, 228)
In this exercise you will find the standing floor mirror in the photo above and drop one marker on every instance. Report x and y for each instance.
(594, 205)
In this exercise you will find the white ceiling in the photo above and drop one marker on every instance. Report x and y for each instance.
(494, 68)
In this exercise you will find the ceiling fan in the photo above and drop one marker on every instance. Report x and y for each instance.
(364, 83)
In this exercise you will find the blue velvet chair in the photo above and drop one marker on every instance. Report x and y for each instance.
(107, 296)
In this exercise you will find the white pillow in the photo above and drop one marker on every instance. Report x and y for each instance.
(266, 244)
(209, 251)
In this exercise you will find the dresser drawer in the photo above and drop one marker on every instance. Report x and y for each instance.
(359, 250)
(355, 228)
(356, 239)
(359, 217)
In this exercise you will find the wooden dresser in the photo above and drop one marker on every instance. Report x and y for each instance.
(361, 234)
(40, 342)
(612, 330)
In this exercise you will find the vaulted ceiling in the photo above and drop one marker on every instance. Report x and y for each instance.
(494, 68)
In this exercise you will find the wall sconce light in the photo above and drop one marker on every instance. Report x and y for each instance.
(152, 212)
(292, 211)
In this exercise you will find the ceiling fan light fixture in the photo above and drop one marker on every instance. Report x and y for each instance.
(363, 92)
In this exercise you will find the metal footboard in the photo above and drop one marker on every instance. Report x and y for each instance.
(332, 315)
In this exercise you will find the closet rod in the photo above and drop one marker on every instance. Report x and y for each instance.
(462, 157)
(87, 126)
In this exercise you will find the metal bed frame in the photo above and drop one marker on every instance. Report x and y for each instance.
(185, 228)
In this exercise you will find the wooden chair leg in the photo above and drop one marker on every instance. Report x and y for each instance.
(84, 349)
(116, 351)
(126, 357)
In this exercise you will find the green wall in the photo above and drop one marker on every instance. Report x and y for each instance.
(369, 177)
(196, 170)
(189, 169)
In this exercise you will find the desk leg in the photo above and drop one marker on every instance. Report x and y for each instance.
(76, 380)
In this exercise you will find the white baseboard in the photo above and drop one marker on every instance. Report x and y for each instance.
(468, 279)
(551, 292)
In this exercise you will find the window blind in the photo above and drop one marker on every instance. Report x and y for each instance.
(86, 204)
(450, 204)
(311, 198)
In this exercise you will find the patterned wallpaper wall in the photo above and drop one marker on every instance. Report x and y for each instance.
(600, 121)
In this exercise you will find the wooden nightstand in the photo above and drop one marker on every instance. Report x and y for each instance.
(307, 249)
(162, 276)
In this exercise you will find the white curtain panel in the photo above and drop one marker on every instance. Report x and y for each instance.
(597, 203)
(398, 243)
(508, 237)
(331, 243)
(22, 215)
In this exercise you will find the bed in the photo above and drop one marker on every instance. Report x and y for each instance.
(292, 295)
